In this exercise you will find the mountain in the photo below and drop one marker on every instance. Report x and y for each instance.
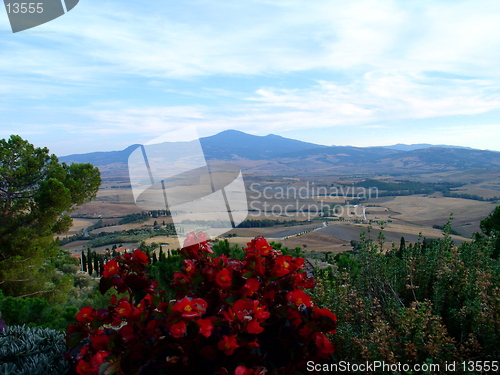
(101, 158)
(234, 145)
(452, 158)
(341, 154)
(276, 155)
(227, 145)
(405, 147)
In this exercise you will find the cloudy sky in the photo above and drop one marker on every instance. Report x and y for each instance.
(360, 72)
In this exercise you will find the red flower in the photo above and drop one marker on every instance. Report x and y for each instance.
(197, 242)
(243, 295)
(326, 319)
(86, 315)
(260, 312)
(140, 257)
(83, 368)
(325, 347)
(98, 359)
(295, 317)
(260, 244)
(100, 342)
(223, 278)
(178, 329)
(153, 328)
(245, 311)
(305, 331)
(206, 327)
(298, 297)
(228, 344)
(189, 267)
(111, 268)
(254, 327)
(181, 279)
(124, 308)
(251, 286)
(282, 266)
(241, 308)
(301, 281)
(242, 370)
(190, 308)
(127, 333)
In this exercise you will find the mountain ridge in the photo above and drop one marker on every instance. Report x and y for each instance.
(277, 154)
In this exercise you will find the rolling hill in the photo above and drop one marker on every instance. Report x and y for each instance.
(273, 154)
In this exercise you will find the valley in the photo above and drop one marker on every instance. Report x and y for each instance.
(317, 197)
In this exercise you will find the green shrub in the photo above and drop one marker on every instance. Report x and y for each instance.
(430, 301)
(36, 312)
(32, 351)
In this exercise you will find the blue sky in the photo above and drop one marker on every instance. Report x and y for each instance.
(361, 72)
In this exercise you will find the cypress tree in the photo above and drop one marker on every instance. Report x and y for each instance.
(90, 264)
(96, 265)
(84, 262)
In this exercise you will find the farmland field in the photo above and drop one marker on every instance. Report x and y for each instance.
(285, 199)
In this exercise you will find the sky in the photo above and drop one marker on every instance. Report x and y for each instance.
(111, 73)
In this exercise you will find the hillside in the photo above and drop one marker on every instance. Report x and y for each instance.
(273, 154)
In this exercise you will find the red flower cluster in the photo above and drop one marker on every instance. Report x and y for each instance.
(229, 317)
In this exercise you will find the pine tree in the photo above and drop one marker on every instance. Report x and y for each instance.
(36, 193)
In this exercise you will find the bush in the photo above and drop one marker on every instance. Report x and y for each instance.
(229, 316)
(35, 312)
(32, 351)
(428, 302)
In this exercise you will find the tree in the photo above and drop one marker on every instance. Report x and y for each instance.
(490, 226)
(90, 260)
(96, 265)
(84, 262)
(36, 195)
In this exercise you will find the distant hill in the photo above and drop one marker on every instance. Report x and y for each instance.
(273, 154)
(417, 146)
(101, 158)
(234, 145)
(453, 158)
(227, 145)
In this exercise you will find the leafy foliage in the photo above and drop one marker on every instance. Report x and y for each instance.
(36, 192)
(32, 351)
(35, 312)
(490, 226)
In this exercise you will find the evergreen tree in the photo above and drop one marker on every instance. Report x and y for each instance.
(90, 265)
(96, 265)
(84, 262)
(36, 193)
(490, 226)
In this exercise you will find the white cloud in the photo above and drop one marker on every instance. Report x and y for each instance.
(374, 61)
(381, 96)
(259, 38)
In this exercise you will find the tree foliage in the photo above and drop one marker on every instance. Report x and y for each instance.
(36, 193)
(490, 226)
